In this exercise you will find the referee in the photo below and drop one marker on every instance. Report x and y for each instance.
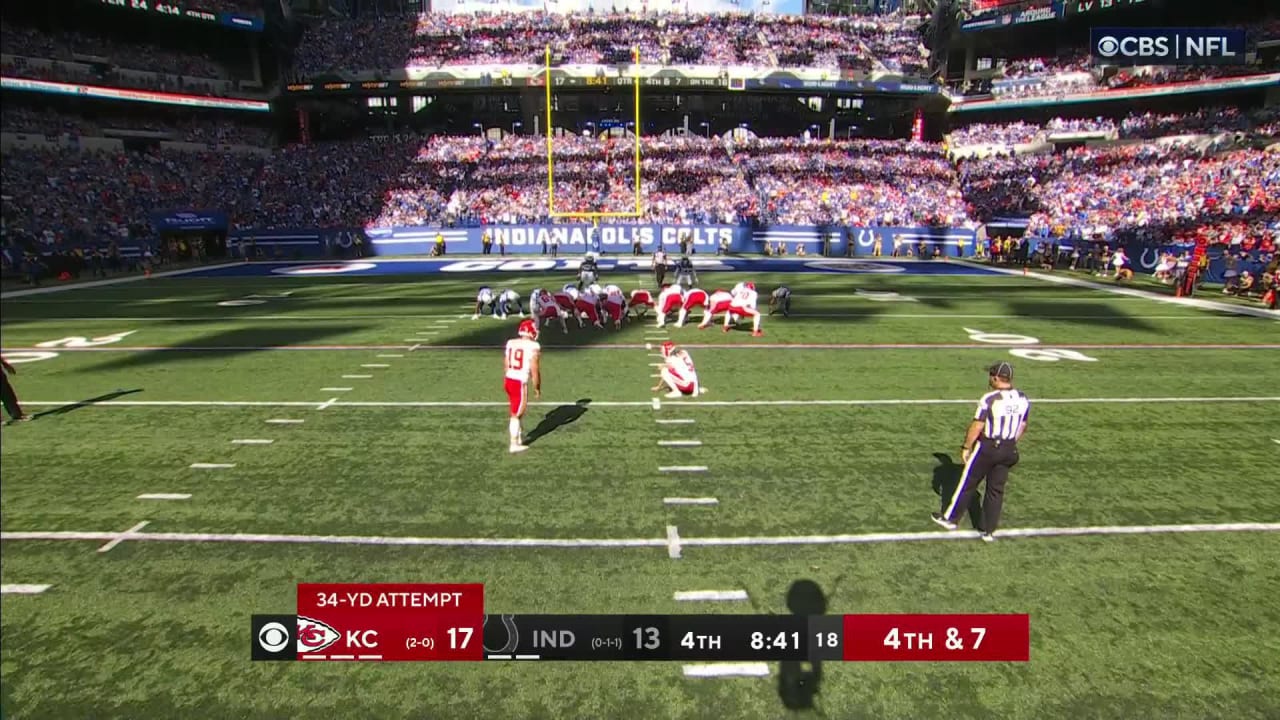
(8, 396)
(990, 449)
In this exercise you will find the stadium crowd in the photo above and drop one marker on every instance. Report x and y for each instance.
(1263, 122)
(31, 43)
(430, 40)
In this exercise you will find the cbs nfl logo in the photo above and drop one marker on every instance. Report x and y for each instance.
(274, 637)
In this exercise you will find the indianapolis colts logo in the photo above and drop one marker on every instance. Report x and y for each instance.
(866, 237)
(1155, 258)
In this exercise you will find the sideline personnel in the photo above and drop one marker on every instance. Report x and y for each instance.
(7, 394)
(990, 449)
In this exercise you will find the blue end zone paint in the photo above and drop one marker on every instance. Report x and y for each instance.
(446, 266)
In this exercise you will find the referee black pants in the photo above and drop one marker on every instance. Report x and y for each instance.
(990, 461)
(9, 397)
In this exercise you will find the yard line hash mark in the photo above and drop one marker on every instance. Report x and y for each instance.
(375, 365)
(673, 542)
(682, 468)
(710, 595)
(356, 377)
(675, 421)
(164, 496)
(336, 389)
(715, 670)
(679, 443)
(16, 589)
(122, 537)
(211, 466)
(252, 441)
(690, 501)
(285, 421)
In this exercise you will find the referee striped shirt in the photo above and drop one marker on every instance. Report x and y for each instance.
(1002, 412)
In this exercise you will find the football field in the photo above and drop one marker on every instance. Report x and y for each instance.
(203, 444)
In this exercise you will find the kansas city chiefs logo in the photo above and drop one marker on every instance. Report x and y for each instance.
(314, 636)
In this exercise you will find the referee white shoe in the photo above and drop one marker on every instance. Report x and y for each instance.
(938, 519)
(987, 537)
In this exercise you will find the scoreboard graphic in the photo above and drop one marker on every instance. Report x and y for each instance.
(448, 622)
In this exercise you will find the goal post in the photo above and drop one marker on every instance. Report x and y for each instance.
(551, 164)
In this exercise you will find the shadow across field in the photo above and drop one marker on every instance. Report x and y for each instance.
(557, 418)
(946, 476)
(229, 343)
(64, 409)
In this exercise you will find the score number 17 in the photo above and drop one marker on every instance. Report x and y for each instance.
(459, 638)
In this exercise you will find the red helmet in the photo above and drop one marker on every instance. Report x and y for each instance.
(528, 329)
(668, 347)
(751, 286)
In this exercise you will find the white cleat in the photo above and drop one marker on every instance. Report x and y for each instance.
(675, 394)
(475, 317)
(518, 448)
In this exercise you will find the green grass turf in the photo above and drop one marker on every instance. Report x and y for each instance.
(1122, 626)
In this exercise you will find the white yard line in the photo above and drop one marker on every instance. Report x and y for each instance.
(375, 365)
(285, 421)
(327, 404)
(654, 403)
(336, 389)
(356, 377)
(658, 542)
(252, 441)
(679, 443)
(711, 595)
(126, 535)
(690, 501)
(212, 466)
(391, 355)
(165, 496)
(1192, 302)
(682, 469)
(673, 542)
(722, 670)
(23, 589)
(675, 421)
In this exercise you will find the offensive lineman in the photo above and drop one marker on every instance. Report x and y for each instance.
(521, 365)
(615, 305)
(694, 298)
(780, 301)
(744, 304)
(670, 300)
(678, 374)
(545, 308)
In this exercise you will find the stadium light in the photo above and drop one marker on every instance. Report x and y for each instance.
(479, 127)
(707, 128)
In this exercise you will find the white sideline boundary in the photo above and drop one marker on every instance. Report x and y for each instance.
(710, 595)
(656, 542)
(641, 404)
(112, 281)
(1196, 303)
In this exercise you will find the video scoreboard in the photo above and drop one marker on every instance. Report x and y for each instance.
(448, 622)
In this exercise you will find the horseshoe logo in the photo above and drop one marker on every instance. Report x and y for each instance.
(513, 635)
(1147, 265)
(866, 237)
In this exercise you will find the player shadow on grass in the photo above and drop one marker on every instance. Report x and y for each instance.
(946, 476)
(557, 418)
(797, 687)
(64, 409)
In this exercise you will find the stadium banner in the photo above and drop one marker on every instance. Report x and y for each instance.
(1072, 8)
(187, 11)
(1030, 15)
(1167, 46)
(109, 93)
(693, 77)
(613, 239)
(188, 220)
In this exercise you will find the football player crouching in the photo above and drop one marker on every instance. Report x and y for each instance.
(694, 298)
(588, 306)
(544, 309)
(678, 374)
(615, 305)
(780, 301)
(640, 303)
(509, 303)
(670, 300)
(484, 302)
